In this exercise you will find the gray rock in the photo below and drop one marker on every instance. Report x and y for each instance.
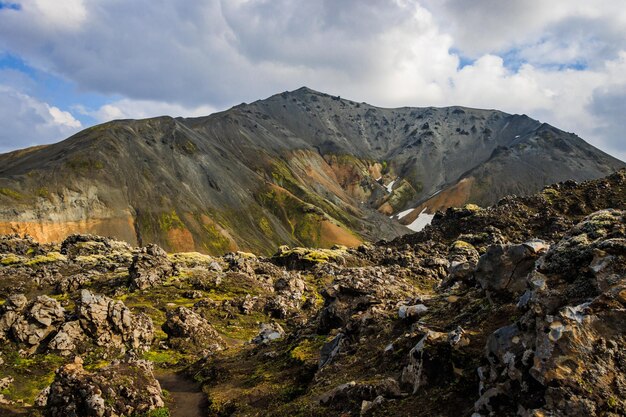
(330, 350)
(122, 388)
(38, 320)
(410, 312)
(110, 323)
(503, 269)
(187, 330)
(150, 268)
(268, 333)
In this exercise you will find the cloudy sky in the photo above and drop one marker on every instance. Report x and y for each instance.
(68, 64)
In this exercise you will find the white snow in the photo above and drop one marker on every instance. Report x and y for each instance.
(517, 136)
(421, 222)
(379, 178)
(390, 186)
(404, 213)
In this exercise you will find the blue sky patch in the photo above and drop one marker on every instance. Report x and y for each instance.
(10, 6)
(57, 91)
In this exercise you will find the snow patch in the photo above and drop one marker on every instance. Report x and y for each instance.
(390, 186)
(404, 213)
(422, 221)
(517, 136)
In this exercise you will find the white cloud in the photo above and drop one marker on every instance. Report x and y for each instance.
(27, 121)
(63, 15)
(140, 109)
(164, 57)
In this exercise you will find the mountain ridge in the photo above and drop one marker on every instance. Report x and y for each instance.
(299, 167)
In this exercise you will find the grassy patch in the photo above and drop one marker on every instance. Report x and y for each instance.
(164, 357)
(10, 259)
(31, 375)
(169, 221)
(11, 193)
(46, 259)
(308, 350)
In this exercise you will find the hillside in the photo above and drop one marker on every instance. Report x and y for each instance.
(514, 309)
(299, 168)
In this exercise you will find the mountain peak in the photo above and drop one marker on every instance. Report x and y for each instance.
(299, 168)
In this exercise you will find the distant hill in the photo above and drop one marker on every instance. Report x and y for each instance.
(298, 168)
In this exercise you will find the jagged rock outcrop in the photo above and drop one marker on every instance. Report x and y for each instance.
(31, 323)
(269, 332)
(514, 309)
(120, 389)
(354, 290)
(503, 269)
(150, 268)
(97, 319)
(188, 331)
(110, 323)
(564, 356)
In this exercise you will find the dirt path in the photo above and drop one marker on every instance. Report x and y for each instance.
(187, 398)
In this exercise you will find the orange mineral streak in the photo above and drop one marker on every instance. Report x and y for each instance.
(46, 231)
(456, 196)
(334, 234)
(180, 240)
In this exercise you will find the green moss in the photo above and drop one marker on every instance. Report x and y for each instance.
(45, 259)
(84, 165)
(43, 192)
(10, 259)
(460, 244)
(265, 227)
(169, 221)
(308, 350)
(612, 402)
(164, 357)
(11, 193)
(90, 259)
(191, 259)
(31, 375)
(158, 412)
(550, 194)
(96, 364)
(311, 255)
(214, 241)
(471, 207)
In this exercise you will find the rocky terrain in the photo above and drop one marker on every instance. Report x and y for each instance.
(517, 309)
(301, 168)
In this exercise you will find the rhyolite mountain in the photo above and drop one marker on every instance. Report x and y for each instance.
(300, 167)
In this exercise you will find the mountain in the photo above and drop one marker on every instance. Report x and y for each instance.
(518, 309)
(298, 168)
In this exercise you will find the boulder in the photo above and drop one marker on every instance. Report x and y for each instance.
(110, 323)
(330, 350)
(412, 312)
(188, 331)
(432, 360)
(10, 311)
(150, 267)
(120, 389)
(564, 356)
(503, 268)
(69, 339)
(268, 332)
(37, 321)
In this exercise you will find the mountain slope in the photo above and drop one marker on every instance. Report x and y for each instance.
(300, 167)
